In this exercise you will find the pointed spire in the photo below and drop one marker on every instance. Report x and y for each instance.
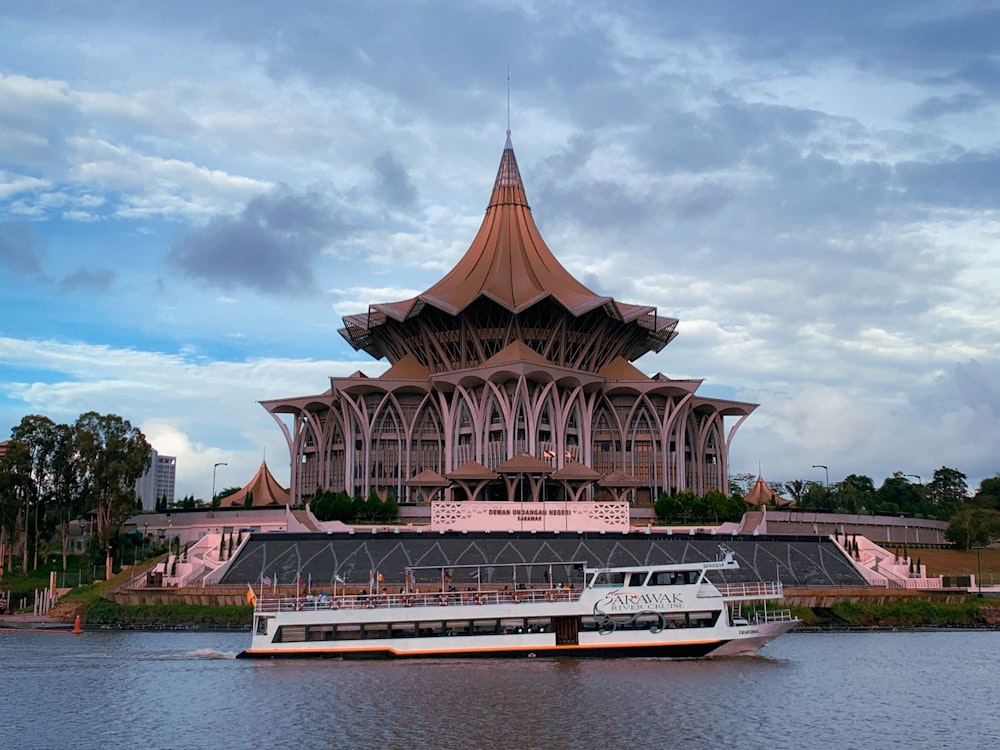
(508, 188)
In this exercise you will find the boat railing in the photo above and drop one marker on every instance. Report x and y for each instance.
(743, 591)
(417, 599)
(762, 617)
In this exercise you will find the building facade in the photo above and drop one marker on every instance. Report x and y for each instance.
(158, 482)
(509, 380)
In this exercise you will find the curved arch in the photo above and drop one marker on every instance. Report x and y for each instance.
(334, 454)
(495, 427)
(606, 438)
(464, 441)
(643, 445)
(388, 439)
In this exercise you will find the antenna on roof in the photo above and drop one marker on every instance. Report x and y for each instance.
(508, 100)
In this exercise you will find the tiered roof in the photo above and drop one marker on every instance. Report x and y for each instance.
(509, 264)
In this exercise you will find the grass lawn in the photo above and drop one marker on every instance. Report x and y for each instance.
(953, 562)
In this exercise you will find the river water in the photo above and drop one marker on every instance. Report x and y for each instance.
(184, 690)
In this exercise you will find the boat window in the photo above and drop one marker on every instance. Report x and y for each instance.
(374, 631)
(485, 627)
(402, 630)
(608, 578)
(319, 633)
(663, 578)
(290, 634)
(512, 625)
(674, 577)
(636, 579)
(539, 624)
(347, 632)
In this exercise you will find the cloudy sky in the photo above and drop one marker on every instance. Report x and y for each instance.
(193, 194)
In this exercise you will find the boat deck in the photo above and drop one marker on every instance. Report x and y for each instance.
(418, 599)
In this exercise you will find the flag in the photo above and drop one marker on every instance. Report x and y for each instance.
(338, 578)
(447, 577)
(380, 577)
(266, 580)
(474, 575)
(310, 584)
(251, 597)
(549, 454)
(371, 580)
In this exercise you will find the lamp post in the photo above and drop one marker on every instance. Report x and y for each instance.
(826, 469)
(915, 476)
(214, 468)
(979, 572)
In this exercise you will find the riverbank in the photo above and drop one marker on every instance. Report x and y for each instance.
(881, 610)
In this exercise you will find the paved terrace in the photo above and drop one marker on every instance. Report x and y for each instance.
(283, 559)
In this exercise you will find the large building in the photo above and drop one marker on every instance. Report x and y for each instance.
(509, 380)
(158, 482)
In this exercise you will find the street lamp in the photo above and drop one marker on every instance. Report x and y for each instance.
(979, 572)
(216, 466)
(826, 469)
(915, 476)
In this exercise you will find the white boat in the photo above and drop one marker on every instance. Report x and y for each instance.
(669, 610)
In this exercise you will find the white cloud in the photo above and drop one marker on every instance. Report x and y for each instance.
(205, 411)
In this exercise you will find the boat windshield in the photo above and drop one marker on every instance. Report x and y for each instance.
(674, 577)
(608, 578)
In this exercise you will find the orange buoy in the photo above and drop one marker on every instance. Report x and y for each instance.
(77, 630)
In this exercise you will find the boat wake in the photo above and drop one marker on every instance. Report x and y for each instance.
(209, 653)
(198, 654)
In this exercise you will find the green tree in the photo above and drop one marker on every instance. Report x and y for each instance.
(988, 494)
(323, 505)
(854, 493)
(947, 490)
(113, 455)
(796, 488)
(817, 497)
(38, 434)
(741, 484)
(666, 508)
(343, 508)
(15, 492)
(898, 495)
(69, 500)
(973, 527)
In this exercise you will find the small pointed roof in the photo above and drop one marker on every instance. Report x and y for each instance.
(471, 470)
(264, 488)
(427, 478)
(762, 494)
(524, 464)
(620, 479)
(574, 471)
